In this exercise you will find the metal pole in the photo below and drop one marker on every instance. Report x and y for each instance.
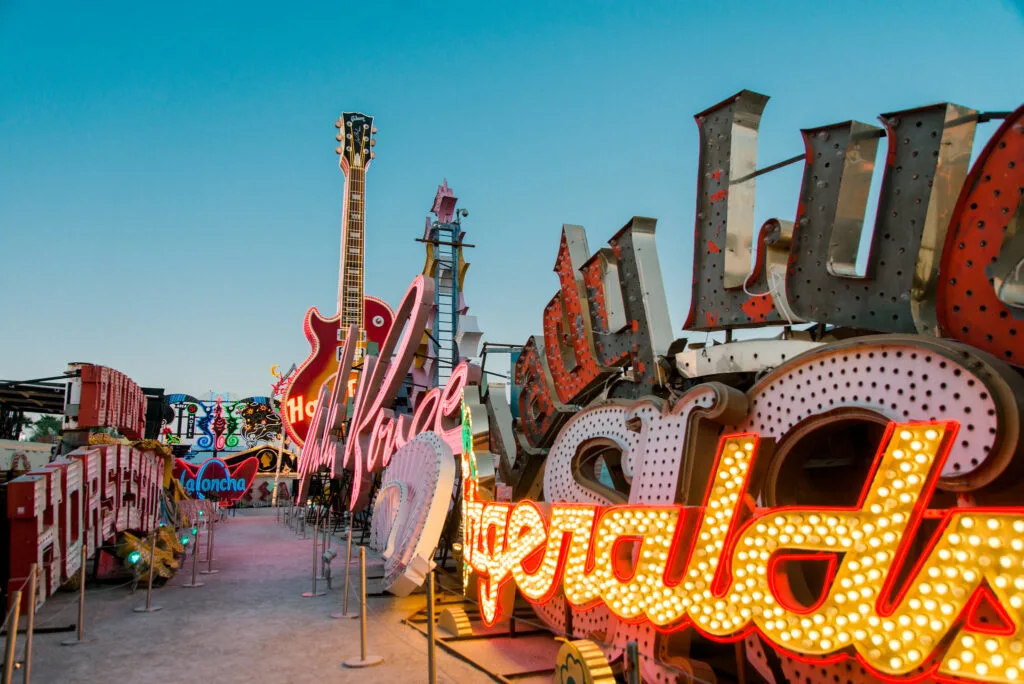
(277, 469)
(211, 528)
(344, 614)
(316, 546)
(195, 556)
(30, 628)
(12, 637)
(431, 663)
(81, 602)
(363, 660)
(632, 663)
(150, 608)
(200, 522)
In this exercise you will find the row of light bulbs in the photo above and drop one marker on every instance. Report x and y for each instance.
(975, 547)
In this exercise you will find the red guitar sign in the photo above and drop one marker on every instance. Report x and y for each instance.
(371, 316)
(325, 338)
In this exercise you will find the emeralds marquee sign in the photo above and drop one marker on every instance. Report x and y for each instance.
(719, 568)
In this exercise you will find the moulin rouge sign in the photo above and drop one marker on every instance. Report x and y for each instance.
(376, 432)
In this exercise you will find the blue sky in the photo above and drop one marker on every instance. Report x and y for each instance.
(170, 198)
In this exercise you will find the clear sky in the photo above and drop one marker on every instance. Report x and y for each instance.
(170, 198)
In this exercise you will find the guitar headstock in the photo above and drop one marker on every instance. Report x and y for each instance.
(356, 138)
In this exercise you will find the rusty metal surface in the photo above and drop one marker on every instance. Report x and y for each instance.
(927, 158)
(568, 335)
(628, 307)
(986, 221)
(541, 414)
(722, 295)
(751, 356)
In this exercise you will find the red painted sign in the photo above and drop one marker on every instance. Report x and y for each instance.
(109, 398)
(325, 338)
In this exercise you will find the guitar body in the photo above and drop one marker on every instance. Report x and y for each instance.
(324, 336)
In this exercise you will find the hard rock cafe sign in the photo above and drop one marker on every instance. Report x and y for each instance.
(843, 504)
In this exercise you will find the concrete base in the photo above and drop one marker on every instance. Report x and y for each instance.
(369, 661)
(344, 616)
(74, 642)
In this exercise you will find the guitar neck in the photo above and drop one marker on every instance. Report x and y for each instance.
(350, 282)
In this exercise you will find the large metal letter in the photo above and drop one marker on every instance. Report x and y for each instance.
(727, 293)
(568, 338)
(541, 414)
(928, 157)
(628, 309)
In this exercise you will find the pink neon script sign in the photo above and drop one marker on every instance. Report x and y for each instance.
(376, 432)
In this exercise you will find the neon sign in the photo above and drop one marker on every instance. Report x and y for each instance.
(409, 511)
(721, 568)
(375, 432)
(214, 479)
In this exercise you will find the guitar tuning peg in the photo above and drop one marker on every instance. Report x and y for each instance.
(373, 155)
(338, 149)
(338, 123)
(373, 141)
(373, 129)
(339, 137)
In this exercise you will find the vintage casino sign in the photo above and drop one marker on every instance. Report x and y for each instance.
(839, 505)
(103, 397)
(214, 479)
(415, 452)
(375, 432)
(86, 497)
(721, 568)
(410, 510)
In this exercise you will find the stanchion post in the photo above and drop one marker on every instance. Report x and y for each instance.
(363, 660)
(33, 584)
(12, 636)
(431, 663)
(199, 532)
(195, 557)
(344, 614)
(632, 663)
(149, 607)
(316, 546)
(81, 601)
(325, 538)
(211, 530)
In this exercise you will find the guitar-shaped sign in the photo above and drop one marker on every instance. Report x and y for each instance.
(371, 316)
